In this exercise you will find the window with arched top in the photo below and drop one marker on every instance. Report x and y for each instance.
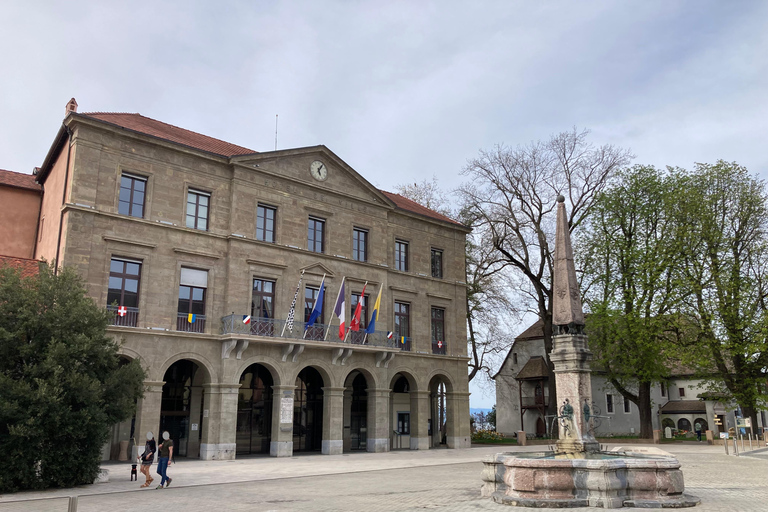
(684, 424)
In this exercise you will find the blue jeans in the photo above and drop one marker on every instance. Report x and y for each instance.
(162, 468)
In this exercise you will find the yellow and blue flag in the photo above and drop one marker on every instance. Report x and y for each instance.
(191, 318)
(375, 314)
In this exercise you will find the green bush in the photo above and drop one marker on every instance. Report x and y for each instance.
(62, 384)
(487, 435)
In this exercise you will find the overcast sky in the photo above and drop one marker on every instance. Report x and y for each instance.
(399, 90)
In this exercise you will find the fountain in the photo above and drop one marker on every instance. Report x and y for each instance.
(576, 473)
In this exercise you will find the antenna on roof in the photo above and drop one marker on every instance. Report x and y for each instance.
(275, 132)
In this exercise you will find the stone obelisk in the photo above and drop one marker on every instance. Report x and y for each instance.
(570, 355)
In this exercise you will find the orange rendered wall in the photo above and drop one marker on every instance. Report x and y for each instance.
(18, 210)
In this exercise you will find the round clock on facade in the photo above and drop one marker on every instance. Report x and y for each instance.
(318, 170)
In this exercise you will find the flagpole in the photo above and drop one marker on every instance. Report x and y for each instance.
(325, 338)
(293, 304)
(362, 297)
(322, 285)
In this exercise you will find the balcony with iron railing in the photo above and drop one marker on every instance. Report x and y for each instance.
(124, 316)
(277, 328)
(183, 323)
(438, 347)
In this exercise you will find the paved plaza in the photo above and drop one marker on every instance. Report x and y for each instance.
(445, 480)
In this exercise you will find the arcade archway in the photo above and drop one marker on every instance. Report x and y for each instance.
(355, 412)
(254, 411)
(308, 411)
(181, 410)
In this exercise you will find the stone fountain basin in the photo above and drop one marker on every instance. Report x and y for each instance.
(602, 479)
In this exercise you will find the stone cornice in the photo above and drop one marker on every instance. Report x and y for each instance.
(108, 238)
(181, 250)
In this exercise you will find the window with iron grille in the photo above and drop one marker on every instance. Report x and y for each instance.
(360, 244)
(438, 331)
(316, 235)
(123, 290)
(263, 299)
(193, 286)
(401, 255)
(402, 320)
(197, 209)
(265, 223)
(437, 263)
(131, 198)
(609, 403)
(627, 405)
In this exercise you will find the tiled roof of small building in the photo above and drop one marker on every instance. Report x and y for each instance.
(28, 267)
(18, 179)
(684, 407)
(535, 368)
(149, 126)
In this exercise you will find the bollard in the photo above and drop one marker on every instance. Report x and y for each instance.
(725, 443)
(735, 447)
(72, 504)
(750, 442)
(742, 443)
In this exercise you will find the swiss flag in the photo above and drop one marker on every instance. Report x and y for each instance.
(122, 310)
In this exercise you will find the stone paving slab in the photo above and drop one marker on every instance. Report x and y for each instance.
(445, 480)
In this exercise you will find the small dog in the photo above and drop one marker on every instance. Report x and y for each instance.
(134, 476)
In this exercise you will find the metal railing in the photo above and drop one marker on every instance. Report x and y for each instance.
(438, 347)
(124, 316)
(276, 328)
(183, 323)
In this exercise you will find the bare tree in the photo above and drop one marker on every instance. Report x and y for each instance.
(512, 195)
(428, 194)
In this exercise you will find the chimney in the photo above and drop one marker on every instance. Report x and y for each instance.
(71, 107)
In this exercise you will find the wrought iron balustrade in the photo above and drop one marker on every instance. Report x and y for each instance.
(277, 328)
(124, 316)
(183, 323)
(438, 347)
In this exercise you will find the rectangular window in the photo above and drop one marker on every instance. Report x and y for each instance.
(263, 307)
(437, 263)
(360, 244)
(192, 290)
(197, 209)
(359, 336)
(131, 200)
(682, 392)
(627, 405)
(514, 357)
(123, 291)
(316, 331)
(663, 389)
(438, 331)
(401, 255)
(404, 423)
(609, 403)
(403, 325)
(316, 235)
(265, 223)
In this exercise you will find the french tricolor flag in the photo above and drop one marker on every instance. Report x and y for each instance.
(339, 310)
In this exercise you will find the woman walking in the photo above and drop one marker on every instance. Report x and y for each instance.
(147, 457)
(166, 456)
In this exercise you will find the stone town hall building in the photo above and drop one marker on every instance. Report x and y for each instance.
(164, 223)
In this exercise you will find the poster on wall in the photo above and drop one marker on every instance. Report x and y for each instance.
(286, 410)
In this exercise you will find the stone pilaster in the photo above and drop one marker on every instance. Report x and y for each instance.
(333, 421)
(147, 415)
(378, 420)
(219, 428)
(195, 403)
(281, 444)
(457, 424)
(419, 416)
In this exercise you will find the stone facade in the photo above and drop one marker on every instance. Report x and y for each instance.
(365, 387)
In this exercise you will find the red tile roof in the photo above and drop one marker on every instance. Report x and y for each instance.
(414, 207)
(141, 124)
(28, 267)
(17, 179)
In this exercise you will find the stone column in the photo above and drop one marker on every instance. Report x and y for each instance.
(333, 421)
(419, 417)
(378, 420)
(195, 404)
(457, 422)
(281, 443)
(148, 415)
(347, 419)
(219, 427)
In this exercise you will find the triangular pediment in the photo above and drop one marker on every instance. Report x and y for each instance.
(318, 169)
(317, 269)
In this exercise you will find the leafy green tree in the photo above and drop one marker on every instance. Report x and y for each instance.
(491, 417)
(631, 246)
(723, 214)
(62, 384)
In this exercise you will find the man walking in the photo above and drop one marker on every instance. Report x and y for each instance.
(697, 428)
(165, 459)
